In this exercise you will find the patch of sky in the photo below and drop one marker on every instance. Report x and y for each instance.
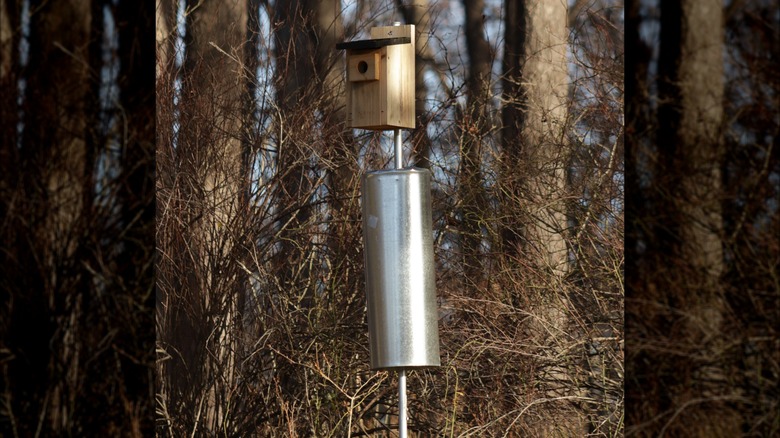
(451, 44)
(264, 162)
(109, 158)
(349, 10)
(431, 81)
(618, 202)
(181, 32)
(264, 92)
(494, 33)
(319, 173)
(650, 33)
(179, 51)
(24, 57)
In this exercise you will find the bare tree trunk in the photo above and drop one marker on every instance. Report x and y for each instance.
(8, 23)
(9, 71)
(691, 135)
(338, 144)
(474, 124)
(47, 202)
(202, 327)
(688, 195)
(62, 32)
(544, 142)
(535, 152)
(165, 27)
(136, 194)
(690, 113)
(294, 91)
(534, 143)
(419, 14)
(512, 118)
(636, 120)
(637, 124)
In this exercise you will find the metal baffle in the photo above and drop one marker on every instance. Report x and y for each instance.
(400, 274)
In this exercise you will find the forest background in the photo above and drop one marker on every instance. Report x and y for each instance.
(181, 220)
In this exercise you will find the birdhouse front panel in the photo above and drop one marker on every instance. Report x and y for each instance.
(364, 97)
(363, 67)
(380, 80)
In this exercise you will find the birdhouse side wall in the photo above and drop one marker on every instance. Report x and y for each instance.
(399, 102)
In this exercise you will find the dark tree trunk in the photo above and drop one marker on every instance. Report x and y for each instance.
(45, 279)
(512, 117)
(419, 14)
(681, 263)
(474, 125)
(136, 194)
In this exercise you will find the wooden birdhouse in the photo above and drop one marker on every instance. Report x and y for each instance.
(380, 79)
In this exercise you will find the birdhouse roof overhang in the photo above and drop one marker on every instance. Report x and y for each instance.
(372, 44)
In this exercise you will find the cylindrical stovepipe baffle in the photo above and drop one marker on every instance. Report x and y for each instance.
(400, 276)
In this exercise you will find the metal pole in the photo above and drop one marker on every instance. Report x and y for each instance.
(402, 403)
(399, 164)
(399, 152)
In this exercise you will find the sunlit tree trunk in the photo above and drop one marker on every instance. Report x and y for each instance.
(203, 326)
(165, 31)
(215, 52)
(534, 138)
(534, 119)
(535, 152)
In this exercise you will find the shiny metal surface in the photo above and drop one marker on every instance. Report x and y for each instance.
(400, 277)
